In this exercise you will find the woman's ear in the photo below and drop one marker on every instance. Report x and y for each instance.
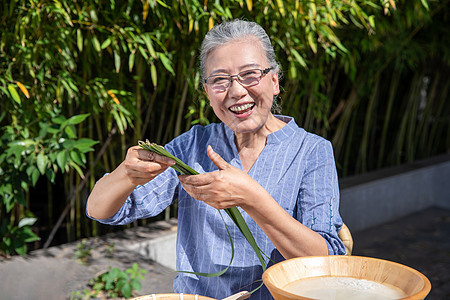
(275, 84)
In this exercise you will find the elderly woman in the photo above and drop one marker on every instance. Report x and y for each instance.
(282, 179)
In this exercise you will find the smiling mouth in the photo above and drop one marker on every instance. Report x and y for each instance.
(241, 109)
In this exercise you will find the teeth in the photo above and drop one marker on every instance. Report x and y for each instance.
(241, 108)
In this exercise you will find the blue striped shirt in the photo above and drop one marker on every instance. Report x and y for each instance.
(297, 168)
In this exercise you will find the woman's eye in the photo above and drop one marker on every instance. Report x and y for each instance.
(219, 79)
(250, 73)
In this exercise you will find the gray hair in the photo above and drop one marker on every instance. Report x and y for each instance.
(233, 30)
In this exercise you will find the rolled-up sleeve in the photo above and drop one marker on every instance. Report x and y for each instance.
(318, 203)
(146, 200)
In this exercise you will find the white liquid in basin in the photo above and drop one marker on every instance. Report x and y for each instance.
(348, 288)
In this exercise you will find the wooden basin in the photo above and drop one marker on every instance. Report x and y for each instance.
(172, 296)
(413, 283)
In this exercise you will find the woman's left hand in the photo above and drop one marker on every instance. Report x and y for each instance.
(221, 189)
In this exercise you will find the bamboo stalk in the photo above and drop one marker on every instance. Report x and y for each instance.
(71, 198)
(399, 147)
(369, 127)
(49, 204)
(138, 94)
(393, 87)
(183, 97)
(434, 132)
(423, 127)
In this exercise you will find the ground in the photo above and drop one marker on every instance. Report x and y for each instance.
(420, 241)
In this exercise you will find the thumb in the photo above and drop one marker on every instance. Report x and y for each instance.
(217, 159)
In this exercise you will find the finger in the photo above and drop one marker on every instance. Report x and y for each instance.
(197, 180)
(152, 156)
(217, 159)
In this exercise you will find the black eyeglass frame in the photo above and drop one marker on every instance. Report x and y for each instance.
(263, 73)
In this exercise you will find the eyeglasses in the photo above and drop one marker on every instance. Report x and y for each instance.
(246, 78)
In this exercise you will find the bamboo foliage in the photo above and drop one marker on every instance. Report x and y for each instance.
(371, 76)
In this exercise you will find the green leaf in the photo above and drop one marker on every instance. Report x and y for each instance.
(136, 284)
(84, 144)
(41, 161)
(312, 42)
(154, 75)
(20, 247)
(425, 4)
(131, 61)
(26, 222)
(126, 290)
(166, 62)
(50, 175)
(163, 4)
(299, 58)
(75, 156)
(148, 43)
(30, 236)
(106, 43)
(233, 212)
(35, 176)
(13, 92)
(70, 131)
(77, 119)
(117, 61)
(59, 119)
(77, 168)
(79, 40)
(96, 44)
(61, 159)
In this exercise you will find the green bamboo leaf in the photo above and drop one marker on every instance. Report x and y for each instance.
(219, 273)
(143, 52)
(67, 88)
(106, 43)
(77, 168)
(131, 61)
(163, 4)
(154, 75)
(372, 21)
(233, 212)
(312, 42)
(167, 63)
(96, 44)
(13, 92)
(79, 40)
(148, 43)
(119, 123)
(299, 58)
(117, 61)
(425, 4)
(281, 7)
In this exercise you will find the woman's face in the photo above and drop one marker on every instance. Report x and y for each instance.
(242, 109)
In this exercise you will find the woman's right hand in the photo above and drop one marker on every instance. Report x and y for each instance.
(110, 192)
(141, 166)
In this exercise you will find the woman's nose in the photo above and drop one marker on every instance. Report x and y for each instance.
(236, 89)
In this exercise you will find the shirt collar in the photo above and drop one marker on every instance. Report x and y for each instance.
(287, 131)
